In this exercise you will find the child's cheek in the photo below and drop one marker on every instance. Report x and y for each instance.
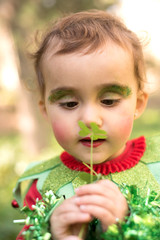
(125, 126)
(61, 132)
(121, 128)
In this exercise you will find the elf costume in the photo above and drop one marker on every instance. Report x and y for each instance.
(138, 165)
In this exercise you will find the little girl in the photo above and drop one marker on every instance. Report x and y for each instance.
(90, 68)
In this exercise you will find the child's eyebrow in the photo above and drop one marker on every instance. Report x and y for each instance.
(59, 93)
(125, 91)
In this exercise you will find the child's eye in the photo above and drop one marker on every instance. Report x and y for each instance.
(69, 105)
(110, 102)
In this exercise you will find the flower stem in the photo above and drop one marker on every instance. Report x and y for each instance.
(81, 233)
(91, 161)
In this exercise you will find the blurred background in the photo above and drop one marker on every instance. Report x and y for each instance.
(24, 134)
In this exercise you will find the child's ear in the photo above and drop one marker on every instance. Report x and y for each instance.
(43, 110)
(142, 99)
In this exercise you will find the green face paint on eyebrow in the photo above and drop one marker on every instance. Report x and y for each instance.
(125, 91)
(58, 94)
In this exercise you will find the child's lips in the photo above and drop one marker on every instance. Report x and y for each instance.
(96, 143)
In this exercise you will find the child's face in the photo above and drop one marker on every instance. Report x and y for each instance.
(99, 87)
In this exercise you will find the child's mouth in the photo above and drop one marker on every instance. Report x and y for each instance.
(96, 143)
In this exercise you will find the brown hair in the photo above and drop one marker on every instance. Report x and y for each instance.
(88, 31)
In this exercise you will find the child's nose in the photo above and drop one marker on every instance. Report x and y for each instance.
(92, 114)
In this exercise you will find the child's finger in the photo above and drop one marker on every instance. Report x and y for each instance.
(98, 189)
(72, 217)
(97, 200)
(108, 184)
(69, 212)
(105, 216)
(67, 206)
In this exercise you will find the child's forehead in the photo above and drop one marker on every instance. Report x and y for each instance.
(111, 60)
(108, 51)
(105, 65)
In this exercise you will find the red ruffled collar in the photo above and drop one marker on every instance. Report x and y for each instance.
(129, 158)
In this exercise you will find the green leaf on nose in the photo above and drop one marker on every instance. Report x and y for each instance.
(97, 133)
(84, 129)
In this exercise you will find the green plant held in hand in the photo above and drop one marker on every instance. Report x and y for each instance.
(94, 133)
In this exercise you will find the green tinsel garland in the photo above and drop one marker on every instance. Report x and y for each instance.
(142, 223)
(38, 218)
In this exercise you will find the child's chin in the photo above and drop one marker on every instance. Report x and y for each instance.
(98, 158)
(95, 161)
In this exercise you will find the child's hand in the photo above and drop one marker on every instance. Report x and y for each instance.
(67, 219)
(102, 200)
